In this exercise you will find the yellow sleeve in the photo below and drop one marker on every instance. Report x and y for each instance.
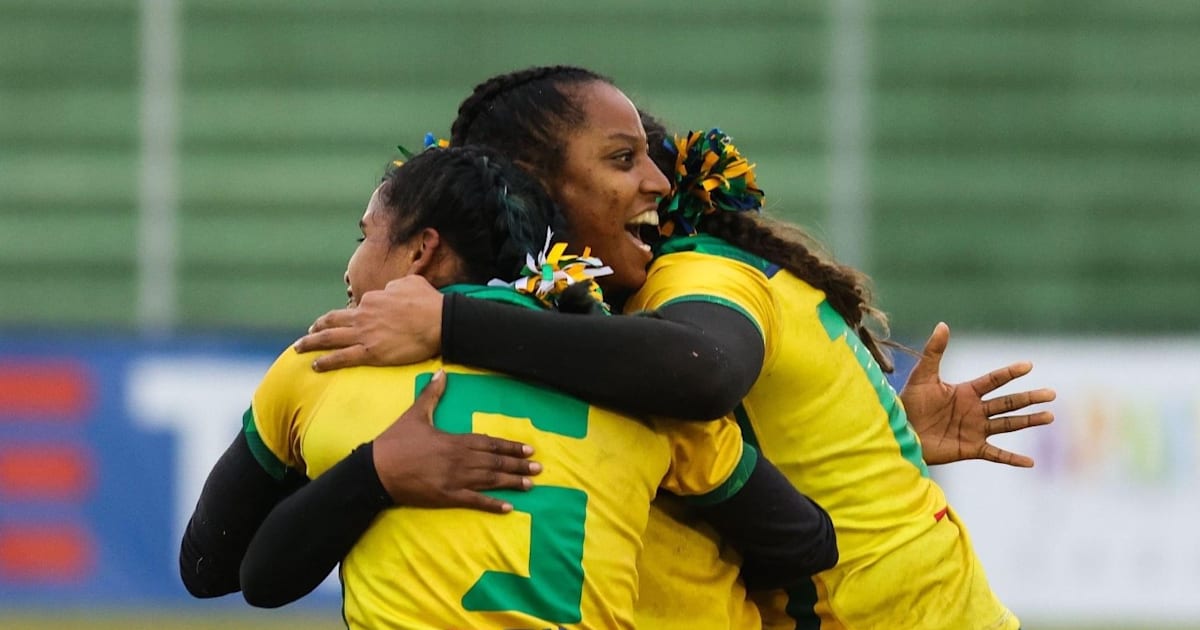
(273, 424)
(709, 460)
(702, 277)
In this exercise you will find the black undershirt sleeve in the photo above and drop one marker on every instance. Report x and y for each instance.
(782, 535)
(690, 360)
(309, 532)
(236, 498)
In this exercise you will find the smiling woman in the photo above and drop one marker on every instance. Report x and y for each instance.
(598, 168)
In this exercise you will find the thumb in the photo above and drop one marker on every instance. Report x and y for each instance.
(429, 398)
(930, 363)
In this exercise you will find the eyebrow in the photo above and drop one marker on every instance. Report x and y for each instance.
(620, 135)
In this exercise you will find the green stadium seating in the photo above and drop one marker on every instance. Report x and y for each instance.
(1031, 165)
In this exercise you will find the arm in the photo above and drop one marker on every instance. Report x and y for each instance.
(694, 360)
(705, 356)
(236, 498)
(782, 535)
(307, 534)
(954, 421)
(411, 463)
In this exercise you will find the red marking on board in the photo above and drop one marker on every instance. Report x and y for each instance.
(44, 390)
(940, 514)
(45, 472)
(58, 553)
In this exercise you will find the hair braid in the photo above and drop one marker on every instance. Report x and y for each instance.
(524, 114)
(485, 92)
(846, 289)
(488, 211)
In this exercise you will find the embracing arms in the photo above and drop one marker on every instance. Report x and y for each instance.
(695, 360)
(243, 508)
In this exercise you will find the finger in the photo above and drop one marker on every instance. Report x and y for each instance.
(1008, 424)
(502, 463)
(492, 480)
(428, 400)
(327, 339)
(930, 363)
(344, 358)
(498, 446)
(1000, 456)
(1020, 400)
(997, 378)
(477, 501)
(333, 319)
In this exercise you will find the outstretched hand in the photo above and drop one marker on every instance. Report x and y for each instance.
(954, 421)
(421, 466)
(400, 325)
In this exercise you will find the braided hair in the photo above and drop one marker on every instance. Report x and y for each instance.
(487, 210)
(847, 289)
(524, 114)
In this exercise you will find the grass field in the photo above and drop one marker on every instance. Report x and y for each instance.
(281, 620)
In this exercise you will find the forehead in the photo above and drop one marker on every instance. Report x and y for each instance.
(376, 213)
(607, 111)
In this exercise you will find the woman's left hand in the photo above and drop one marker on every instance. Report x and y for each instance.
(400, 325)
(954, 421)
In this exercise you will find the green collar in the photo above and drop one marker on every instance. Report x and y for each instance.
(708, 244)
(494, 294)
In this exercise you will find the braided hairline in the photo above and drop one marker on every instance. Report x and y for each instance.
(493, 87)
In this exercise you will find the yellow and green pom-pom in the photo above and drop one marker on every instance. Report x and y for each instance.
(710, 176)
(546, 276)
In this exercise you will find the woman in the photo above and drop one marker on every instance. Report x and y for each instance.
(458, 218)
(745, 317)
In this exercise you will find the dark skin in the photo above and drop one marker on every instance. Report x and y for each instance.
(953, 420)
(421, 466)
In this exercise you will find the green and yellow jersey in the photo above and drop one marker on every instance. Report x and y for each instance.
(567, 554)
(824, 414)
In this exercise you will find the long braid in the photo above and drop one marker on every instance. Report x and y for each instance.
(846, 289)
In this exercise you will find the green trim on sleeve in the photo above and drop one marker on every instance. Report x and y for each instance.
(733, 484)
(258, 448)
(713, 299)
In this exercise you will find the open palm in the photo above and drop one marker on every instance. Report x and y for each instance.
(954, 422)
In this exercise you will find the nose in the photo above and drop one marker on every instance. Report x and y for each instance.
(653, 180)
(346, 277)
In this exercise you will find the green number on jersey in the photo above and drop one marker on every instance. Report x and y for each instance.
(910, 448)
(554, 587)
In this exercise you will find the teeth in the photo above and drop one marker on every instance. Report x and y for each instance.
(649, 217)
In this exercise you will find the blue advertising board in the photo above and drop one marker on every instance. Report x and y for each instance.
(104, 445)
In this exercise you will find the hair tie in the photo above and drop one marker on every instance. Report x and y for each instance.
(710, 175)
(548, 275)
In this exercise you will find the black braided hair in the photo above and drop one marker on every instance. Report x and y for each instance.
(488, 211)
(847, 289)
(524, 114)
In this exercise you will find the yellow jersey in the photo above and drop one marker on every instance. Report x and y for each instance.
(823, 412)
(565, 557)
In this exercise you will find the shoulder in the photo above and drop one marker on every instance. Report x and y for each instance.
(703, 247)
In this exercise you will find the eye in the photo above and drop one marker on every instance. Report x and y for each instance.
(624, 157)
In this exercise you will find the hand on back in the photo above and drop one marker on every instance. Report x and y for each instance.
(422, 466)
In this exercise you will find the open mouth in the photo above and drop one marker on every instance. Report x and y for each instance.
(644, 228)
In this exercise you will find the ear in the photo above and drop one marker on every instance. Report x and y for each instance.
(427, 246)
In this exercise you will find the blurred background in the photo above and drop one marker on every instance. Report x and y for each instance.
(180, 182)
